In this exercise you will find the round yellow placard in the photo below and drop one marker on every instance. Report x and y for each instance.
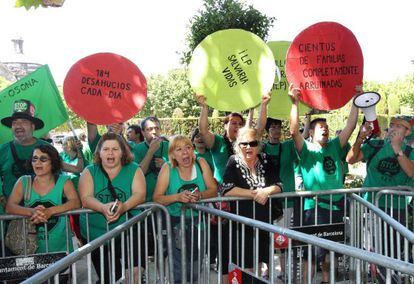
(233, 69)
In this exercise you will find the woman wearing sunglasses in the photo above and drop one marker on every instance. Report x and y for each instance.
(249, 174)
(44, 199)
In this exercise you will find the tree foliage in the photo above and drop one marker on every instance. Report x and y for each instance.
(225, 14)
(170, 96)
(27, 4)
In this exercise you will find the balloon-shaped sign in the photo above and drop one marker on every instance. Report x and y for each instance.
(280, 104)
(233, 69)
(325, 61)
(105, 88)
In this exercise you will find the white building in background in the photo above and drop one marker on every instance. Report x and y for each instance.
(15, 64)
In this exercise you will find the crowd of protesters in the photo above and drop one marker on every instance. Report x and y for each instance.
(145, 166)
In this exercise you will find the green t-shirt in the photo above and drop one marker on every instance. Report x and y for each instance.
(123, 189)
(58, 240)
(152, 173)
(383, 170)
(206, 156)
(221, 154)
(322, 170)
(283, 157)
(93, 144)
(74, 177)
(87, 154)
(131, 144)
(9, 172)
(177, 185)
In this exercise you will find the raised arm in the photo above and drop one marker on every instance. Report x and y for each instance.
(355, 154)
(298, 139)
(208, 137)
(92, 131)
(349, 127)
(351, 122)
(406, 164)
(261, 120)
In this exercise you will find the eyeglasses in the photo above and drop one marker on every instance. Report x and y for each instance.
(252, 144)
(43, 159)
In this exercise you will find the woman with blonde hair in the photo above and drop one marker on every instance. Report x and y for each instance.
(183, 179)
(250, 174)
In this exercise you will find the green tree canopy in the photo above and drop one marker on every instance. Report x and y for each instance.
(225, 14)
(169, 93)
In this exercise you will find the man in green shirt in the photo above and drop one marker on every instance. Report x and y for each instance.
(14, 154)
(134, 135)
(152, 153)
(389, 162)
(320, 162)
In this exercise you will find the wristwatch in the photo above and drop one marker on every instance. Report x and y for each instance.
(399, 154)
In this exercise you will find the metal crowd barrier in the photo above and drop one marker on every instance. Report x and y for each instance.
(354, 275)
(347, 265)
(124, 242)
(352, 260)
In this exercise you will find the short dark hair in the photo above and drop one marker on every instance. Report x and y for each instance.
(195, 132)
(315, 121)
(270, 121)
(231, 115)
(137, 130)
(55, 159)
(149, 118)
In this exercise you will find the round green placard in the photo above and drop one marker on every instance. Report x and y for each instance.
(233, 69)
(280, 104)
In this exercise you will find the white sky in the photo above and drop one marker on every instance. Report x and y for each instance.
(152, 32)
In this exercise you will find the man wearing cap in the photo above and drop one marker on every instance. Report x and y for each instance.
(14, 154)
(389, 161)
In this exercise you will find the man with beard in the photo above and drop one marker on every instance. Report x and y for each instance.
(321, 168)
(14, 154)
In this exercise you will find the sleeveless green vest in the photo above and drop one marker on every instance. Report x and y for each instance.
(123, 187)
(177, 185)
(58, 238)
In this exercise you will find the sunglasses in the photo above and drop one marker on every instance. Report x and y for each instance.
(43, 159)
(252, 144)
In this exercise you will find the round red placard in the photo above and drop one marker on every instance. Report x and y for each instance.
(325, 61)
(105, 88)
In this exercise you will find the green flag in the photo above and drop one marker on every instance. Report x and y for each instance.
(40, 89)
